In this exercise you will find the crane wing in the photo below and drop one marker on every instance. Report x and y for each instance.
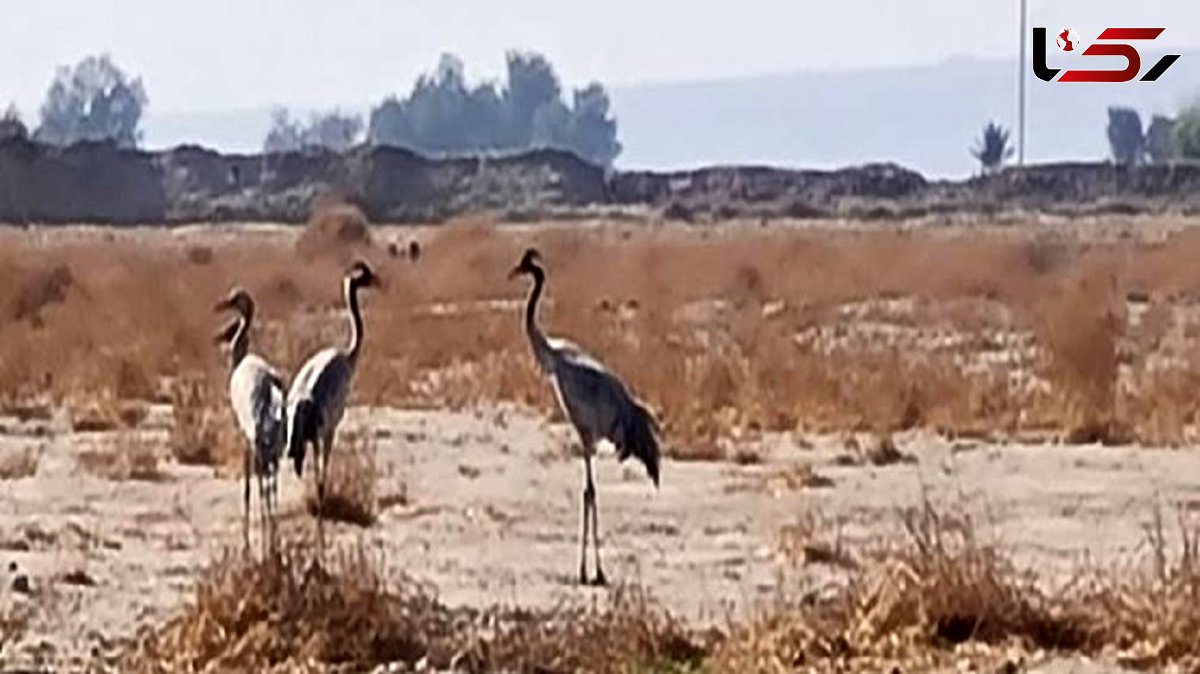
(598, 403)
(256, 395)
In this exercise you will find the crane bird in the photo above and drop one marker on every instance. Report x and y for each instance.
(596, 402)
(256, 396)
(318, 394)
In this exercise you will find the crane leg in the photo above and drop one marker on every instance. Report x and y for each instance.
(583, 536)
(246, 503)
(272, 503)
(320, 477)
(599, 580)
(264, 505)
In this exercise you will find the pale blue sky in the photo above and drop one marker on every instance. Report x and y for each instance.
(223, 54)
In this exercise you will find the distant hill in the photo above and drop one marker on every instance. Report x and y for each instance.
(923, 117)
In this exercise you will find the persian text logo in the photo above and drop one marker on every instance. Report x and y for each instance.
(1111, 42)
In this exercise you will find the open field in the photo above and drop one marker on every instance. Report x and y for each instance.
(871, 434)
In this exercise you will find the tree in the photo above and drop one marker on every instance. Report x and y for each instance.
(92, 101)
(532, 84)
(1187, 133)
(11, 125)
(443, 115)
(993, 148)
(1125, 136)
(593, 132)
(331, 130)
(1160, 139)
(285, 134)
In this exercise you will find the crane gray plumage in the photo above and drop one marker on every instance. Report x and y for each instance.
(317, 397)
(597, 403)
(256, 394)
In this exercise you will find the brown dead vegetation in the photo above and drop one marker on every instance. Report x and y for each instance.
(294, 611)
(18, 464)
(939, 597)
(202, 432)
(125, 455)
(336, 229)
(726, 333)
(352, 489)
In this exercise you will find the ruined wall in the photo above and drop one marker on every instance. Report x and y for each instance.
(99, 183)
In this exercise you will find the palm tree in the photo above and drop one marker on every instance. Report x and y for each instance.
(993, 148)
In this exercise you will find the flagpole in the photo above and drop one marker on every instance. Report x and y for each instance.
(1021, 87)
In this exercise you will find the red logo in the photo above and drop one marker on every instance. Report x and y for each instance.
(1067, 39)
(1112, 42)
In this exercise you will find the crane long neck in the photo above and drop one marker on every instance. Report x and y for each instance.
(241, 340)
(537, 339)
(350, 287)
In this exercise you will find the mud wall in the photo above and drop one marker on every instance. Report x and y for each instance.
(99, 183)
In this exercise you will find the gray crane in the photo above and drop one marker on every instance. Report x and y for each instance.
(596, 402)
(317, 398)
(256, 396)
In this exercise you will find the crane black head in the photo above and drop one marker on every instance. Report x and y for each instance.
(528, 264)
(227, 333)
(237, 300)
(361, 276)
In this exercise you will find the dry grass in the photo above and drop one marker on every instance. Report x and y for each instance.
(336, 229)
(202, 434)
(725, 333)
(940, 598)
(353, 482)
(123, 456)
(18, 464)
(918, 605)
(295, 613)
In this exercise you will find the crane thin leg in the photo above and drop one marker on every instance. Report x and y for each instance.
(262, 513)
(599, 580)
(587, 504)
(246, 503)
(320, 477)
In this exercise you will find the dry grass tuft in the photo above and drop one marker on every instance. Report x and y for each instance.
(351, 494)
(251, 615)
(292, 611)
(125, 455)
(40, 290)
(913, 605)
(201, 434)
(336, 230)
(108, 415)
(18, 464)
(1153, 618)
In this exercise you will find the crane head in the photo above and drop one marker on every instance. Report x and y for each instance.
(238, 300)
(361, 276)
(228, 332)
(528, 264)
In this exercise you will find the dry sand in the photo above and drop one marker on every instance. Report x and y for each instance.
(491, 514)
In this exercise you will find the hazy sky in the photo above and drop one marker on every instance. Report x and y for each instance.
(223, 54)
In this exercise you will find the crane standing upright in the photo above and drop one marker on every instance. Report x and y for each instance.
(596, 402)
(257, 398)
(317, 398)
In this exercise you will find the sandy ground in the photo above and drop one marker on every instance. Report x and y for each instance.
(492, 515)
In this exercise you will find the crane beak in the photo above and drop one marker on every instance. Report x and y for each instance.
(223, 305)
(227, 333)
(515, 272)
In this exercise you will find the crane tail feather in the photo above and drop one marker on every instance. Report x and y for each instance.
(641, 440)
(301, 429)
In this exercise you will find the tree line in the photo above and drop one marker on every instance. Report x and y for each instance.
(1164, 140)
(442, 115)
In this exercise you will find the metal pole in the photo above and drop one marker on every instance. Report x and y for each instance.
(1021, 89)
